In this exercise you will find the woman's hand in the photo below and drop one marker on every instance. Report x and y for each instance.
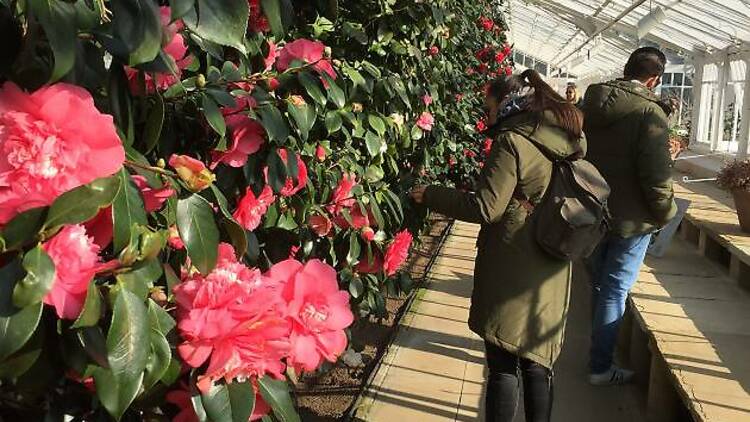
(417, 193)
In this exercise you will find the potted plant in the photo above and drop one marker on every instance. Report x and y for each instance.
(735, 177)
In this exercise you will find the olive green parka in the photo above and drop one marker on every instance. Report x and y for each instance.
(520, 296)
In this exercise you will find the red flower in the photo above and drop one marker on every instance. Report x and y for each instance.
(482, 54)
(482, 68)
(469, 153)
(290, 188)
(359, 220)
(451, 161)
(470, 71)
(307, 51)
(499, 57)
(246, 136)
(342, 195)
(153, 198)
(507, 50)
(320, 153)
(250, 209)
(434, 51)
(320, 224)
(257, 21)
(368, 234)
(397, 252)
(486, 23)
(370, 267)
(459, 97)
(508, 70)
(487, 146)
(273, 84)
(481, 125)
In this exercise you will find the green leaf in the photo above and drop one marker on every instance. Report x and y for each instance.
(356, 288)
(273, 9)
(22, 360)
(180, 8)
(276, 394)
(333, 122)
(94, 344)
(374, 173)
(375, 208)
(220, 21)
(92, 308)
(357, 78)
(376, 123)
(127, 354)
(234, 230)
(154, 124)
(137, 26)
(159, 358)
(229, 402)
(82, 203)
(352, 257)
(195, 222)
(59, 22)
(40, 273)
(159, 318)
(335, 93)
(374, 143)
(23, 228)
(304, 118)
(276, 171)
(141, 278)
(127, 211)
(312, 86)
(213, 116)
(274, 123)
(16, 325)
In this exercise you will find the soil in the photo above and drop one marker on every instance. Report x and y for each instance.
(329, 396)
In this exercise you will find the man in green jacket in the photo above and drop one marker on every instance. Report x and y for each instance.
(627, 133)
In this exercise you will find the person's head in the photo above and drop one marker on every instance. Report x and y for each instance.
(571, 93)
(646, 64)
(544, 98)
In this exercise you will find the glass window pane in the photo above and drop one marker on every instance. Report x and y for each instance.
(689, 79)
(666, 79)
(541, 67)
(677, 79)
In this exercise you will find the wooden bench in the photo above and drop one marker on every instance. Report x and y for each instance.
(688, 332)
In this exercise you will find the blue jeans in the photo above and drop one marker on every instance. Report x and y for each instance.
(614, 267)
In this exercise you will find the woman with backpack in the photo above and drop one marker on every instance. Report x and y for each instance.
(520, 299)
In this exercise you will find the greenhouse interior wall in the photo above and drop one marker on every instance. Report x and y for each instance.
(707, 44)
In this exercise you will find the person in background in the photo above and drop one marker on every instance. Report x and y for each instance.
(519, 303)
(628, 137)
(572, 95)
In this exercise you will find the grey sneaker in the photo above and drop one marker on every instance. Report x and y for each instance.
(613, 376)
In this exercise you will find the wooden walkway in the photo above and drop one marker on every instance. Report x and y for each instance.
(435, 370)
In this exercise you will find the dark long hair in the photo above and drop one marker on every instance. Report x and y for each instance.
(569, 118)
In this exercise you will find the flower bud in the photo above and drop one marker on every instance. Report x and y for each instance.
(161, 163)
(357, 107)
(194, 173)
(327, 52)
(297, 100)
(200, 80)
(368, 234)
(320, 153)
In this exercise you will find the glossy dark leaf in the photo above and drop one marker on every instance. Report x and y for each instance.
(136, 25)
(277, 172)
(23, 228)
(276, 394)
(159, 318)
(274, 123)
(159, 358)
(16, 325)
(127, 354)
(40, 273)
(222, 22)
(59, 22)
(82, 203)
(304, 118)
(335, 93)
(197, 227)
(154, 124)
(127, 211)
(352, 257)
(213, 116)
(92, 308)
(333, 122)
(313, 87)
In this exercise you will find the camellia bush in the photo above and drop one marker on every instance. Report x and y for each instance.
(198, 198)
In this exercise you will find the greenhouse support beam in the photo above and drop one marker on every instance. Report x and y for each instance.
(744, 132)
(717, 108)
(697, 118)
(601, 30)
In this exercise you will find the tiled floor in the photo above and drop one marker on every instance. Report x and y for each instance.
(435, 369)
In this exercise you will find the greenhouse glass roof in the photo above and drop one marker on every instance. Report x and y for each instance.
(584, 37)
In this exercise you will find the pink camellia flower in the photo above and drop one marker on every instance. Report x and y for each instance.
(397, 252)
(459, 97)
(234, 319)
(320, 153)
(434, 51)
(244, 101)
(273, 84)
(368, 234)
(469, 153)
(486, 23)
(174, 46)
(481, 125)
(246, 135)
(270, 58)
(290, 188)
(76, 259)
(194, 173)
(44, 152)
(101, 227)
(306, 51)
(426, 121)
(359, 220)
(499, 57)
(153, 198)
(470, 71)
(482, 68)
(257, 21)
(174, 240)
(508, 70)
(486, 146)
(318, 311)
(451, 161)
(507, 50)
(320, 224)
(342, 195)
(427, 100)
(250, 209)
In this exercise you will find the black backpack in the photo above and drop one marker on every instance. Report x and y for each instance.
(572, 216)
